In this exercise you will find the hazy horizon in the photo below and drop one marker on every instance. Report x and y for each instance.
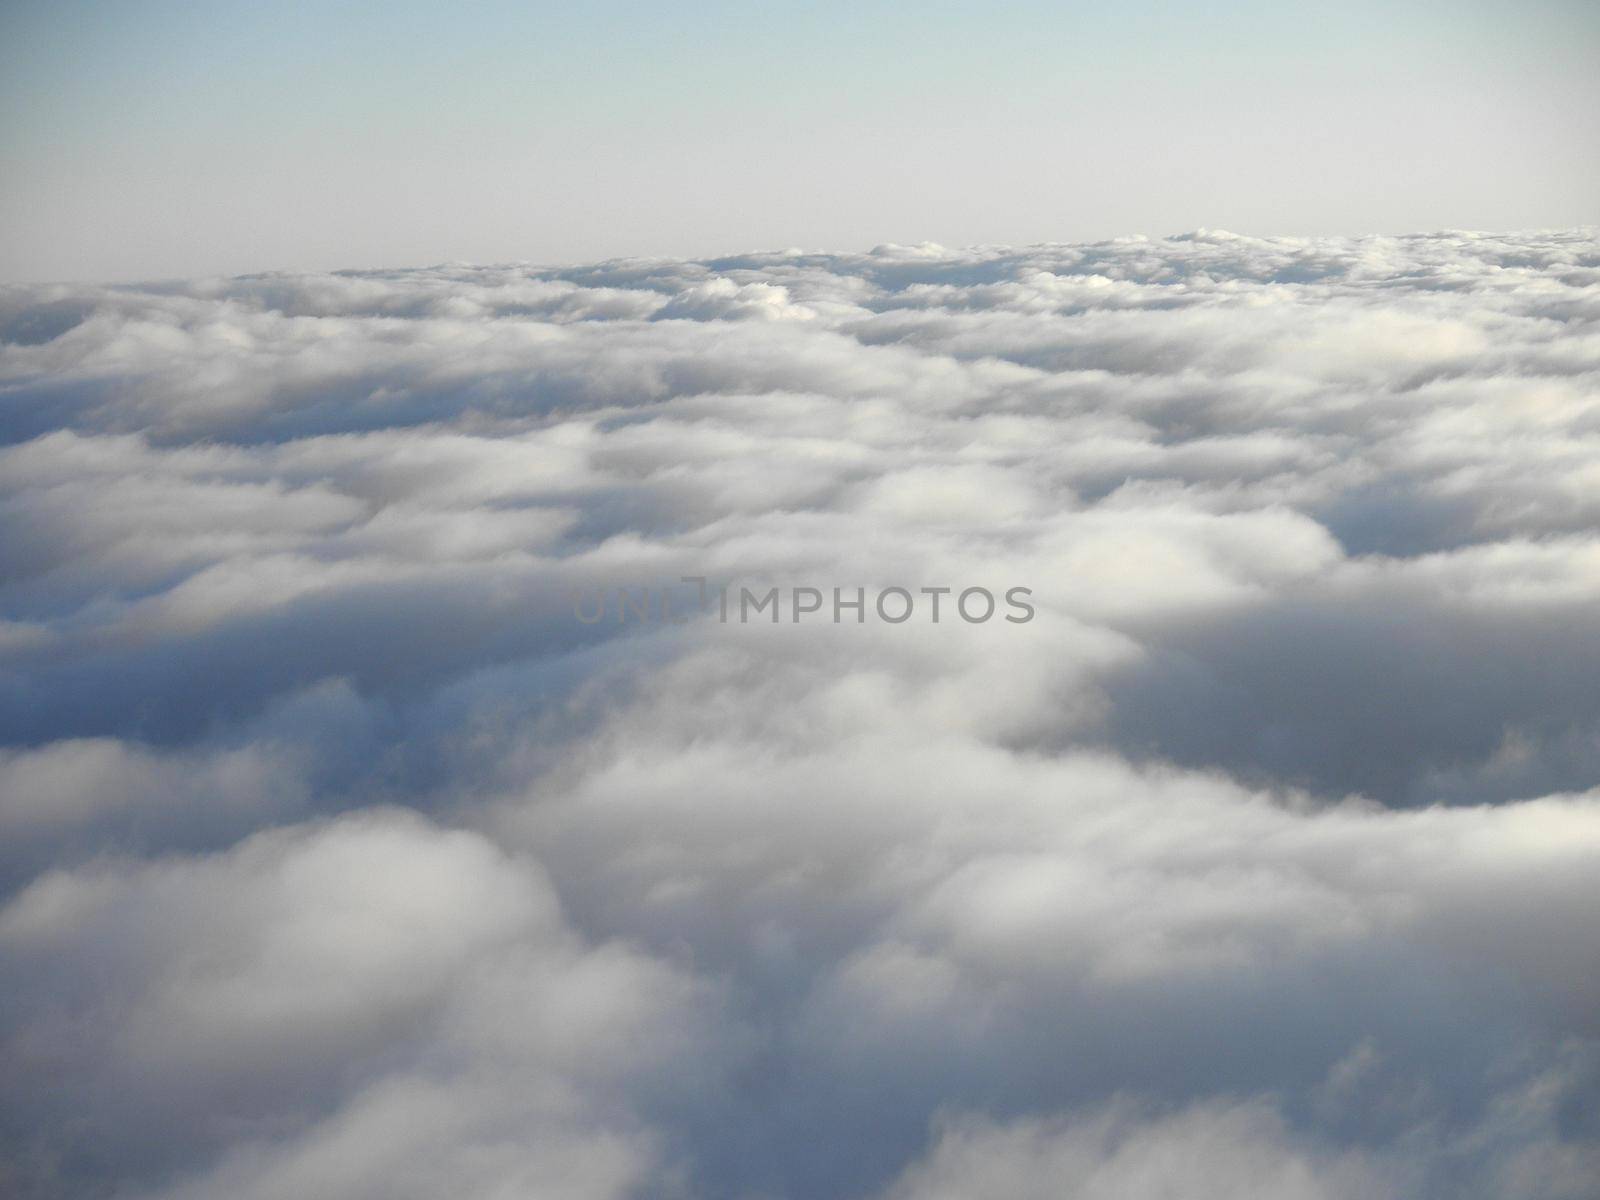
(156, 141)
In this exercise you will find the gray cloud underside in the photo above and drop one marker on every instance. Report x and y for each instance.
(338, 859)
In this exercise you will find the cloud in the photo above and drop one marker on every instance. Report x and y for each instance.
(1207, 1151)
(338, 855)
(373, 1006)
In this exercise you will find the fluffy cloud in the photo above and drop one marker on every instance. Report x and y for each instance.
(371, 1007)
(1212, 1151)
(339, 856)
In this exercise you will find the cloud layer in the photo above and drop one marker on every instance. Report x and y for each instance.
(338, 856)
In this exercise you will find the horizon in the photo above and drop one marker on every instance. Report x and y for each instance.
(931, 249)
(157, 141)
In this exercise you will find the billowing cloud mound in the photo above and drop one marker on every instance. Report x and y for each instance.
(368, 830)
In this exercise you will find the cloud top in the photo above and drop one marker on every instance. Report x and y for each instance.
(338, 856)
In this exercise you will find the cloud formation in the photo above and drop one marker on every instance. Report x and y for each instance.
(339, 857)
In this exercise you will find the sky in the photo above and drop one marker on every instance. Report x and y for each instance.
(165, 139)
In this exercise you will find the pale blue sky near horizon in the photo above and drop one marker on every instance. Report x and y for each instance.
(165, 138)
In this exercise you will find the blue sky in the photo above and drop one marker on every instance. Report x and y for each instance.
(149, 139)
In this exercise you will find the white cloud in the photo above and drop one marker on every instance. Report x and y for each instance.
(339, 856)
(1233, 1151)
